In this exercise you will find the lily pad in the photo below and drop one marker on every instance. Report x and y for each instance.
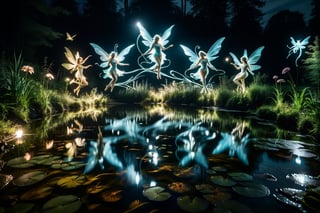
(20, 162)
(72, 181)
(266, 176)
(156, 193)
(231, 206)
(252, 190)
(179, 187)
(222, 181)
(30, 178)
(192, 204)
(37, 193)
(62, 203)
(240, 176)
(22, 207)
(112, 196)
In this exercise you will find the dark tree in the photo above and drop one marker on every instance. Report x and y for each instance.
(245, 25)
(314, 23)
(210, 17)
(26, 29)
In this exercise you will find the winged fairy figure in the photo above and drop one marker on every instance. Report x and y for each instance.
(156, 46)
(297, 47)
(76, 65)
(111, 61)
(203, 60)
(246, 64)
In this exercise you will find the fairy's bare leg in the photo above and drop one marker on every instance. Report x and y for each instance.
(203, 81)
(158, 68)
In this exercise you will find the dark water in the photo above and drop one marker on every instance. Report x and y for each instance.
(195, 160)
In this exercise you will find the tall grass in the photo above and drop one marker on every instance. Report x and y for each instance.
(18, 88)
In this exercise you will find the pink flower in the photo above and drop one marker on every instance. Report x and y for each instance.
(49, 76)
(285, 70)
(275, 77)
(27, 68)
(279, 81)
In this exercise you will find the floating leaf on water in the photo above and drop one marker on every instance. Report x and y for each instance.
(73, 166)
(252, 190)
(37, 193)
(287, 200)
(222, 181)
(219, 168)
(156, 193)
(266, 176)
(179, 187)
(30, 178)
(72, 181)
(211, 171)
(22, 207)
(20, 162)
(205, 188)
(305, 153)
(112, 196)
(94, 189)
(5, 180)
(184, 173)
(231, 206)
(134, 205)
(192, 204)
(303, 180)
(62, 203)
(217, 196)
(296, 193)
(240, 176)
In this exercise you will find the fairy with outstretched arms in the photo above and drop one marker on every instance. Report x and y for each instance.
(111, 61)
(203, 61)
(246, 64)
(156, 47)
(76, 65)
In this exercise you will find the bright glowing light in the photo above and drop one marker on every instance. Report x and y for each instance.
(19, 133)
(150, 147)
(153, 183)
(138, 24)
(227, 59)
(298, 160)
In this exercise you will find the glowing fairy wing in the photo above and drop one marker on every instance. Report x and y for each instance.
(166, 34)
(147, 39)
(214, 49)
(305, 41)
(192, 55)
(104, 56)
(124, 52)
(254, 58)
(235, 58)
(71, 59)
(293, 41)
(69, 55)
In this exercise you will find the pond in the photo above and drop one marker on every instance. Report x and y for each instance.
(158, 159)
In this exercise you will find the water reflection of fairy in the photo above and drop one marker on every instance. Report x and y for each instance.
(236, 142)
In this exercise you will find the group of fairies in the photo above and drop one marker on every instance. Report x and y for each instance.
(154, 59)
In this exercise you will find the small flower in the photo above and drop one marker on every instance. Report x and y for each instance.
(275, 77)
(49, 76)
(279, 81)
(27, 68)
(285, 70)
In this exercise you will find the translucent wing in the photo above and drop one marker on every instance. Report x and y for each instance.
(104, 56)
(305, 41)
(192, 55)
(235, 58)
(69, 55)
(124, 52)
(145, 35)
(166, 34)
(214, 49)
(255, 56)
(293, 42)
(68, 66)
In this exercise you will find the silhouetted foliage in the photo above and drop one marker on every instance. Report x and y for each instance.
(314, 23)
